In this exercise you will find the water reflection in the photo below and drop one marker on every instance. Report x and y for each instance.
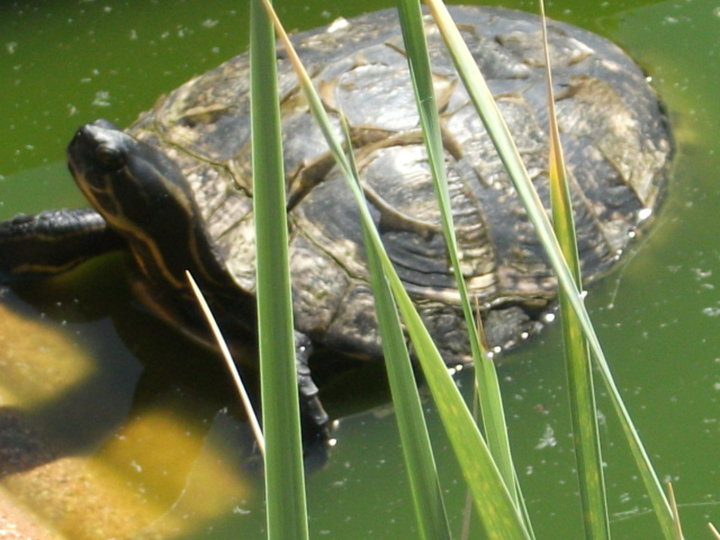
(94, 441)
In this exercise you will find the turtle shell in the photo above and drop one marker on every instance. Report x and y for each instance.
(615, 140)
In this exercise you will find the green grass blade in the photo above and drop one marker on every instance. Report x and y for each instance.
(491, 407)
(496, 127)
(419, 460)
(284, 476)
(417, 451)
(577, 354)
(492, 500)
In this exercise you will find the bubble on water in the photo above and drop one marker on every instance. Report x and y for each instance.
(701, 274)
(643, 214)
(210, 23)
(240, 510)
(11, 47)
(548, 439)
(338, 24)
(712, 311)
(102, 98)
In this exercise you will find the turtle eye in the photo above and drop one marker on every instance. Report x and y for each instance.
(109, 156)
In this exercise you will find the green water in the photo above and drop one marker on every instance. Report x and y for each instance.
(64, 63)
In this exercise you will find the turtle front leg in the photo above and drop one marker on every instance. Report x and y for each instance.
(52, 242)
(312, 413)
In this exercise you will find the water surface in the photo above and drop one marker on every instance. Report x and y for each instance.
(168, 448)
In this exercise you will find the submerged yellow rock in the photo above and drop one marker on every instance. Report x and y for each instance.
(161, 474)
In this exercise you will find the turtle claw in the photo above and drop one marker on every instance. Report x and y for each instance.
(312, 413)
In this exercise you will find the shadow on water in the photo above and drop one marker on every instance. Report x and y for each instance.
(133, 363)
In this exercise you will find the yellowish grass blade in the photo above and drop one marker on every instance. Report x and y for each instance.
(676, 515)
(227, 357)
(577, 354)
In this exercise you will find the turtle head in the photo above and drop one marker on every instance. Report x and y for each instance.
(126, 180)
(145, 197)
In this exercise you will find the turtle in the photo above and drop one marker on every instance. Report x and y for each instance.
(175, 188)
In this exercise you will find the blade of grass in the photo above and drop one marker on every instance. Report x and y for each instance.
(417, 451)
(467, 508)
(492, 500)
(225, 352)
(284, 475)
(508, 153)
(578, 367)
(491, 407)
(676, 515)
